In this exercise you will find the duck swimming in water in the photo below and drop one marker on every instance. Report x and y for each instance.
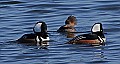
(69, 25)
(95, 37)
(39, 35)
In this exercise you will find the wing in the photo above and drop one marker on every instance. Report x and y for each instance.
(85, 38)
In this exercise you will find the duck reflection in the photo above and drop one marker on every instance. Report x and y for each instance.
(70, 35)
(43, 45)
(98, 54)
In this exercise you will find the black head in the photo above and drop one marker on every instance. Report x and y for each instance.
(97, 29)
(40, 27)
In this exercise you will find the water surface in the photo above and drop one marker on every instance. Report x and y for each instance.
(17, 17)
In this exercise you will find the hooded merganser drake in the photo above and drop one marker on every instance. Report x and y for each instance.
(69, 25)
(39, 35)
(96, 37)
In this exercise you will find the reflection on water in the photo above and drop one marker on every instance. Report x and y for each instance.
(70, 35)
(17, 17)
(42, 45)
(99, 53)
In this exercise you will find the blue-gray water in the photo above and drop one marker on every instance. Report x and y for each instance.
(17, 17)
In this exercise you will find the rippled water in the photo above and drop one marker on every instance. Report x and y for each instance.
(17, 17)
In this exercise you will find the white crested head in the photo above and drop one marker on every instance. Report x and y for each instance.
(37, 27)
(97, 27)
(40, 27)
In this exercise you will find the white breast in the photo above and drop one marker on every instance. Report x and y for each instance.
(43, 39)
(47, 39)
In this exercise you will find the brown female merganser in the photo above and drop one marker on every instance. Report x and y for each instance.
(69, 25)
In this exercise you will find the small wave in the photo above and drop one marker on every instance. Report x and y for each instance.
(103, 61)
(45, 5)
(104, 1)
(39, 11)
(108, 7)
(11, 2)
